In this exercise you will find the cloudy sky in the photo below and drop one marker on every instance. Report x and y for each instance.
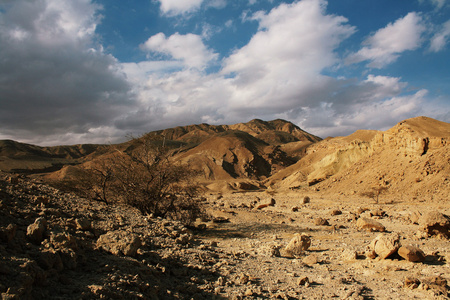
(93, 71)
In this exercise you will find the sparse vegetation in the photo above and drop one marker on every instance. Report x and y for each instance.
(144, 177)
(375, 192)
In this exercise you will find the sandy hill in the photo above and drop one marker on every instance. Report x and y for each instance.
(412, 159)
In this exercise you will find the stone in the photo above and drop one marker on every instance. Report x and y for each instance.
(436, 223)
(349, 254)
(35, 231)
(50, 259)
(321, 222)
(385, 245)
(7, 234)
(303, 281)
(68, 258)
(411, 253)
(119, 242)
(310, 260)
(83, 224)
(336, 212)
(63, 240)
(370, 225)
(411, 282)
(305, 200)
(298, 244)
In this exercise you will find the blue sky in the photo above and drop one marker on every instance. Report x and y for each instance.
(93, 71)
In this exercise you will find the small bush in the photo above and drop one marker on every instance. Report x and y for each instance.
(145, 177)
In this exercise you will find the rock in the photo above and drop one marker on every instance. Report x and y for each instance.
(349, 254)
(50, 259)
(411, 282)
(303, 281)
(83, 224)
(35, 231)
(305, 200)
(294, 208)
(298, 244)
(385, 245)
(436, 223)
(63, 240)
(119, 242)
(321, 222)
(270, 251)
(437, 283)
(68, 258)
(370, 225)
(310, 260)
(415, 217)
(411, 253)
(7, 234)
(370, 254)
(336, 212)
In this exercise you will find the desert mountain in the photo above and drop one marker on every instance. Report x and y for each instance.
(412, 159)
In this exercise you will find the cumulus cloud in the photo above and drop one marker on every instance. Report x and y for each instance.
(386, 45)
(187, 48)
(440, 39)
(176, 7)
(54, 79)
(183, 7)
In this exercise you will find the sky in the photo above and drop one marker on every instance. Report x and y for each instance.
(96, 71)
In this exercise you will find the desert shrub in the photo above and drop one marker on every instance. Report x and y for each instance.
(375, 192)
(144, 176)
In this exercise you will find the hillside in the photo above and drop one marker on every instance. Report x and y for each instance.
(411, 159)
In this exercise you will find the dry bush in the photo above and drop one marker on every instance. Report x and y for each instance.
(375, 192)
(144, 177)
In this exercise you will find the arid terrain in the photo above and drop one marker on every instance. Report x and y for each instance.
(290, 216)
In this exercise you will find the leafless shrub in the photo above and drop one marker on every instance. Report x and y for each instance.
(375, 192)
(145, 177)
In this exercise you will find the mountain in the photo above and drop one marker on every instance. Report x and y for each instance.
(412, 160)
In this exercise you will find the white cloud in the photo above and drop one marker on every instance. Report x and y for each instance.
(183, 7)
(440, 39)
(176, 7)
(386, 45)
(187, 48)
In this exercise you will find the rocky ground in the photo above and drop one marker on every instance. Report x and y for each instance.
(300, 245)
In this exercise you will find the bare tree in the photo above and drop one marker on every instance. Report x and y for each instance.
(375, 192)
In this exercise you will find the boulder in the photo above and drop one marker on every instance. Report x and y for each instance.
(411, 253)
(370, 225)
(35, 231)
(83, 224)
(298, 244)
(119, 242)
(8, 233)
(385, 245)
(321, 222)
(436, 223)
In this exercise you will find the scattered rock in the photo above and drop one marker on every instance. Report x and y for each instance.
(336, 212)
(119, 243)
(370, 225)
(83, 224)
(305, 200)
(303, 281)
(349, 254)
(310, 260)
(411, 282)
(385, 245)
(321, 222)
(35, 231)
(411, 253)
(298, 244)
(436, 223)
(7, 234)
